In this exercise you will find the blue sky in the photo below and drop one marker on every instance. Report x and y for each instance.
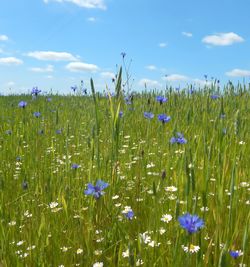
(54, 44)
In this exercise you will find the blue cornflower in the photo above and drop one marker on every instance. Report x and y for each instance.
(179, 139)
(96, 190)
(22, 104)
(35, 91)
(37, 114)
(161, 99)
(75, 166)
(49, 99)
(164, 118)
(128, 213)
(25, 185)
(148, 115)
(59, 131)
(235, 253)
(9, 132)
(192, 223)
(215, 96)
(123, 54)
(120, 114)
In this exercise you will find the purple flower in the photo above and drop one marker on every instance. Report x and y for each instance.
(75, 166)
(37, 114)
(215, 96)
(96, 190)
(35, 91)
(179, 139)
(49, 99)
(164, 118)
(191, 223)
(148, 115)
(22, 104)
(128, 213)
(161, 99)
(120, 114)
(235, 253)
(59, 131)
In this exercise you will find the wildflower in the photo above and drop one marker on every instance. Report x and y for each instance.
(22, 104)
(215, 96)
(8, 132)
(235, 253)
(37, 114)
(98, 264)
(164, 118)
(128, 213)
(192, 248)
(123, 54)
(79, 251)
(166, 218)
(53, 205)
(139, 262)
(97, 190)
(120, 114)
(171, 188)
(148, 115)
(125, 254)
(75, 166)
(59, 131)
(179, 139)
(49, 99)
(161, 99)
(192, 223)
(35, 91)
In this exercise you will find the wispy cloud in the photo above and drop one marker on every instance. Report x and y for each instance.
(149, 83)
(82, 3)
(175, 77)
(238, 73)
(162, 45)
(92, 19)
(81, 66)
(49, 68)
(10, 61)
(4, 38)
(51, 55)
(151, 67)
(187, 34)
(107, 74)
(222, 39)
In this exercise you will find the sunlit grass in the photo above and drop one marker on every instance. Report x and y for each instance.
(46, 163)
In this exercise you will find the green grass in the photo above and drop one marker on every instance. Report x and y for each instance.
(130, 153)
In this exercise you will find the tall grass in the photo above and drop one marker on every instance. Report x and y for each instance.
(47, 220)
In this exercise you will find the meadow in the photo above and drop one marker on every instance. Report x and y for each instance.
(157, 178)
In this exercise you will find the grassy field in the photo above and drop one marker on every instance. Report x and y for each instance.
(52, 215)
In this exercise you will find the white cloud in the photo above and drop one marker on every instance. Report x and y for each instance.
(222, 39)
(83, 3)
(81, 66)
(107, 74)
(10, 83)
(49, 68)
(10, 61)
(51, 55)
(91, 19)
(175, 77)
(162, 45)
(201, 82)
(4, 38)
(238, 73)
(149, 83)
(187, 34)
(151, 67)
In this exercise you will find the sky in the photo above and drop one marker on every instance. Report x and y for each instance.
(54, 44)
